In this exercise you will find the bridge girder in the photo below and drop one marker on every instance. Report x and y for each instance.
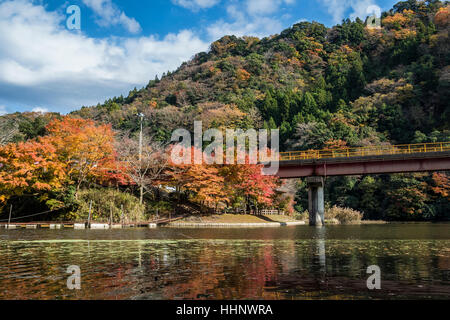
(363, 166)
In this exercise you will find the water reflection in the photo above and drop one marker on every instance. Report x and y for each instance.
(319, 267)
(320, 242)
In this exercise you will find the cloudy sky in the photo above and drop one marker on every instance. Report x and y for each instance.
(122, 44)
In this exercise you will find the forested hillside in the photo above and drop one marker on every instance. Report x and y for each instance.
(322, 87)
(346, 83)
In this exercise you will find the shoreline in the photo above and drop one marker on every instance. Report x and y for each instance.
(263, 225)
(73, 226)
(187, 224)
(235, 225)
(101, 226)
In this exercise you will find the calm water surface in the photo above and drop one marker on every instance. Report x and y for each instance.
(281, 263)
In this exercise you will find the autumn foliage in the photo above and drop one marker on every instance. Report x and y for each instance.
(86, 148)
(29, 168)
(235, 184)
(80, 154)
(441, 185)
(75, 152)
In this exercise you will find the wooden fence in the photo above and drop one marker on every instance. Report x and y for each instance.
(270, 212)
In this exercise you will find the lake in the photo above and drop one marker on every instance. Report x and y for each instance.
(267, 263)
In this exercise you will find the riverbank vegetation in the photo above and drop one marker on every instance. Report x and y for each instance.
(80, 166)
(237, 218)
(343, 215)
(335, 215)
(345, 86)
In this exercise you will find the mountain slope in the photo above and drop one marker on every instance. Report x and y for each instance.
(322, 87)
(347, 83)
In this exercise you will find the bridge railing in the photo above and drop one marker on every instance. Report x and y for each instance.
(365, 151)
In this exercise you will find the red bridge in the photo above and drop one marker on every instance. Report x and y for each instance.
(366, 160)
(317, 164)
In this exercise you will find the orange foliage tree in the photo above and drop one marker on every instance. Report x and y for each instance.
(442, 17)
(203, 181)
(30, 168)
(335, 144)
(213, 183)
(441, 185)
(86, 148)
(243, 75)
(75, 151)
(248, 181)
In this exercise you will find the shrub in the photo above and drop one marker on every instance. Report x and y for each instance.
(343, 215)
(161, 207)
(106, 200)
(301, 216)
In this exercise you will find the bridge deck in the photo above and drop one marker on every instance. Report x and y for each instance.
(395, 159)
(355, 152)
(429, 155)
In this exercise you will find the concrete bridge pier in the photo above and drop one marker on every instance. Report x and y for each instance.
(316, 204)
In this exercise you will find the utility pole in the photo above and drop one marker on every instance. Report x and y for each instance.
(89, 217)
(141, 198)
(121, 215)
(110, 216)
(9, 219)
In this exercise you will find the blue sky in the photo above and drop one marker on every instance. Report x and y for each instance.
(123, 44)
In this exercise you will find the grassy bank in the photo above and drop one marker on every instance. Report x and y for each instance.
(241, 218)
(237, 218)
(336, 222)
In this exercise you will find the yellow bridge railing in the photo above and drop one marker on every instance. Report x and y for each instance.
(365, 151)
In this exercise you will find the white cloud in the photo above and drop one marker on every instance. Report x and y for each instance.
(264, 7)
(251, 18)
(110, 15)
(360, 9)
(40, 110)
(338, 8)
(259, 27)
(301, 20)
(196, 5)
(42, 63)
(3, 110)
